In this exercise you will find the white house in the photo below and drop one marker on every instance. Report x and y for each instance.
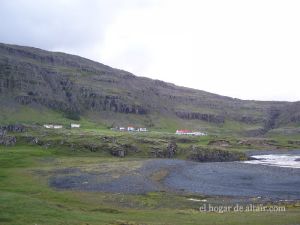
(74, 125)
(189, 132)
(184, 132)
(130, 128)
(51, 126)
(142, 129)
(199, 134)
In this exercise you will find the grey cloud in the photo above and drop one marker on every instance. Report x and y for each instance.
(58, 24)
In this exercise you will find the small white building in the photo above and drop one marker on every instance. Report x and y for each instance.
(189, 132)
(184, 132)
(74, 125)
(199, 134)
(52, 126)
(122, 128)
(130, 128)
(142, 129)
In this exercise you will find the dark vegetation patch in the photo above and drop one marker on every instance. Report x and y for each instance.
(106, 210)
(185, 140)
(201, 154)
(72, 115)
(4, 220)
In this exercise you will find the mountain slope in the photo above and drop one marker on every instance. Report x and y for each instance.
(76, 86)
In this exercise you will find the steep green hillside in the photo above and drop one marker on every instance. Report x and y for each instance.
(49, 86)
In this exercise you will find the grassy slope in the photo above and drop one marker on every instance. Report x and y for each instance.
(40, 115)
(162, 99)
(18, 114)
(25, 197)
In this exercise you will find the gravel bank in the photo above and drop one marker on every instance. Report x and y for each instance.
(221, 178)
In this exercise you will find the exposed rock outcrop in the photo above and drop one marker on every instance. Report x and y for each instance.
(249, 119)
(2, 132)
(9, 140)
(6, 139)
(215, 155)
(201, 116)
(171, 150)
(119, 152)
(271, 120)
(13, 128)
(168, 152)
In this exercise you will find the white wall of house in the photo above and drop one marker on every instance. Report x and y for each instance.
(51, 126)
(181, 132)
(142, 129)
(130, 129)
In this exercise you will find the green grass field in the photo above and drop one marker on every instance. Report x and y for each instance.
(16, 114)
(26, 198)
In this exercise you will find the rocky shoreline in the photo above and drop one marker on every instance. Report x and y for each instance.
(233, 179)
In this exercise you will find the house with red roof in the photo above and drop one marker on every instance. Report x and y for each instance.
(186, 132)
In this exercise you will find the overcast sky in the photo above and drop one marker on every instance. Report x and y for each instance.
(247, 49)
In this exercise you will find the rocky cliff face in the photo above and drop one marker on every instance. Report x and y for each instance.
(55, 81)
(201, 116)
(74, 85)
